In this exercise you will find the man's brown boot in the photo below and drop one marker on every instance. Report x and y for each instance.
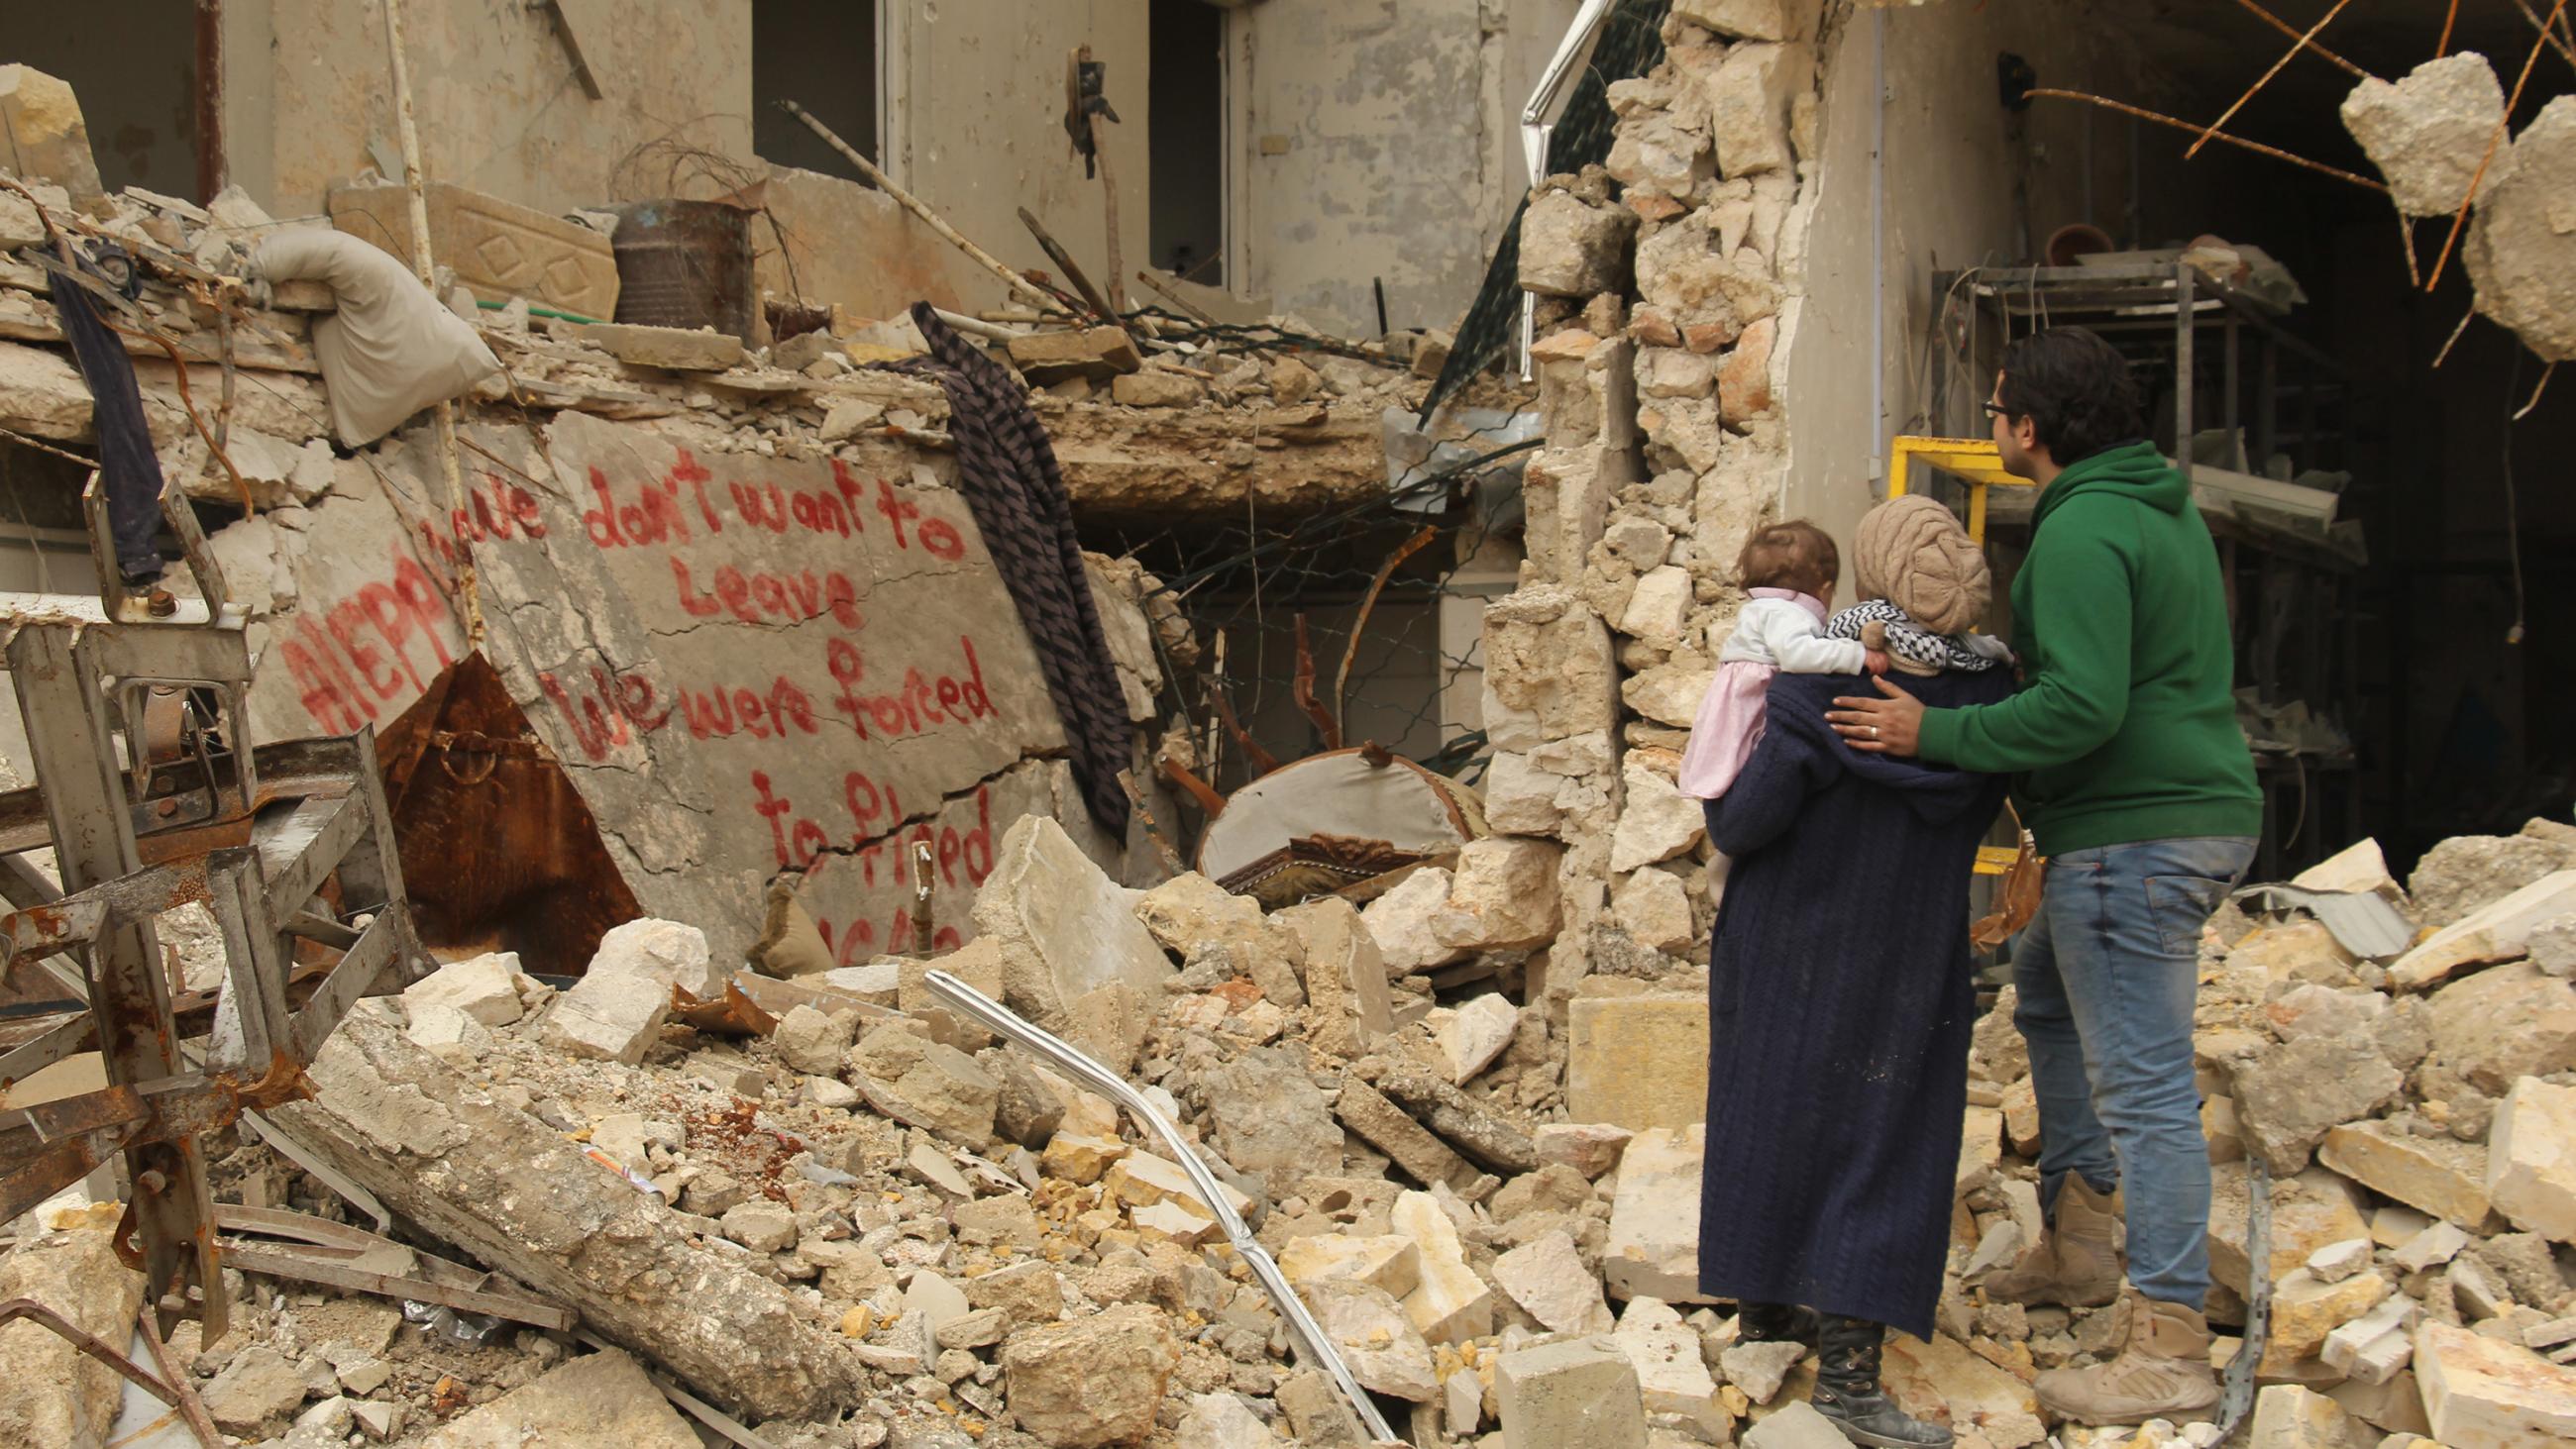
(2163, 1373)
(2074, 1264)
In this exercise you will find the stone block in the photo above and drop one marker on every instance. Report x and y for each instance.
(1190, 913)
(449, 1034)
(611, 1017)
(1267, 1116)
(2287, 1416)
(1572, 248)
(1098, 353)
(1582, 1391)
(1748, 102)
(599, 1398)
(1550, 671)
(2504, 1024)
(673, 349)
(1939, 1379)
(1758, 1369)
(1795, 1426)
(2531, 1159)
(1393, 1131)
(1030, 1292)
(1157, 387)
(1546, 1277)
(1672, 1371)
(811, 1041)
(2496, 931)
(1637, 1062)
(664, 951)
(2375, 1346)
(1400, 921)
(1091, 1382)
(1348, 1004)
(485, 988)
(1744, 378)
(1654, 907)
(2309, 1211)
(2305, 1309)
(1502, 896)
(43, 136)
(51, 1393)
(1390, 1262)
(2440, 1175)
(1475, 1034)
(2289, 1098)
(1656, 821)
(1653, 1248)
(1451, 1304)
(1658, 606)
(2480, 1393)
(940, 1086)
(498, 248)
(1142, 1179)
(1064, 929)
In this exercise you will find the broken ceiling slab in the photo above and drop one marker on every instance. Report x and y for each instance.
(1147, 464)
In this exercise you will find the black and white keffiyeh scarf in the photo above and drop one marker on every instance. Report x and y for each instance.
(1905, 640)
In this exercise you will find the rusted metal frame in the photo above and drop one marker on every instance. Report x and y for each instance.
(68, 739)
(1261, 760)
(1302, 690)
(386, 939)
(88, 1343)
(48, 930)
(252, 1022)
(60, 1142)
(209, 99)
(2503, 123)
(192, 1410)
(2161, 119)
(293, 883)
(1368, 605)
(2277, 66)
(77, 1032)
(2286, 28)
(286, 769)
(287, 1263)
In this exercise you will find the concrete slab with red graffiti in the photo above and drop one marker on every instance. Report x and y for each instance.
(750, 666)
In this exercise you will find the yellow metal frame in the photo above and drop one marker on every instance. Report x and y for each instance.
(1975, 461)
(1978, 463)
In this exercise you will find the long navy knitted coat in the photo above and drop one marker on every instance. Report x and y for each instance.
(1840, 1003)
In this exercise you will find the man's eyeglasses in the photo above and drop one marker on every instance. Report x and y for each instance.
(1995, 410)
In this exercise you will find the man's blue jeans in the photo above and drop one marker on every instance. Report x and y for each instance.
(2107, 972)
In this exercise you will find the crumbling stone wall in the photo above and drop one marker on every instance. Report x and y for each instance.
(1660, 280)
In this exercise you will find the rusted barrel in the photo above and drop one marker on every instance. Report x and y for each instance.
(684, 264)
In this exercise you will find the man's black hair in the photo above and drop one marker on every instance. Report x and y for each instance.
(2075, 389)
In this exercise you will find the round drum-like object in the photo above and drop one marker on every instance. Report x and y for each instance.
(1340, 794)
(684, 264)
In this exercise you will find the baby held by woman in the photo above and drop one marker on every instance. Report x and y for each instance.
(1913, 617)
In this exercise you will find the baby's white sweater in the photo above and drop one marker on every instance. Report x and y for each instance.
(1782, 634)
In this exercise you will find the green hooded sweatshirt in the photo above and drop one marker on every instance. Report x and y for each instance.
(2126, 723)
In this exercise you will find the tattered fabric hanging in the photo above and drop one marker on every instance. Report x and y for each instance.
(128, 469)
(1007, 471)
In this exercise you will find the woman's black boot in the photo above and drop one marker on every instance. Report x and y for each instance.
(1776, 1323)
(1847, 1390)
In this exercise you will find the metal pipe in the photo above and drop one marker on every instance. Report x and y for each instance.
(1309, 1335)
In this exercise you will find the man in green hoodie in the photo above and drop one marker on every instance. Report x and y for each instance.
(2140, 789)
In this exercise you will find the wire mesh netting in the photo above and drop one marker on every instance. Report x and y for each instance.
(1335, 629)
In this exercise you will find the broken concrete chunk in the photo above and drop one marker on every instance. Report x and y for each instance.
(1269, 1117)
(1657, 822)
(1748, 99)
(43, 135)
(2305, 1309)
(1475, 1034)
(1637, 1061)
(1653, 1249)
(612, 1017)
(485, 988)
(2497, 931)
(664, 951)
(1191, 913)
(1400, 921)
(50, 1392)
(1142, 1179)
(2480, 1393)
(1391, 1130)
(1345, 976)
(1157, 387)
(2531, 1159)
(812, 1041)
(1390, 1262)
(454, 1036)
(1583, 1391)
(260, 1386)
(1383, 1349)
(1571, 248)
(674, 349)
(1759, 1368)
(1590, 1148)
(2504, 1024)
(1672, 1372)
(2443, 1177)
(492, 1180)
(2287, 1416)
(1546, 1277)
(1030, 1292)
(1065, 931)
(2293, 1095)
(1941, 1380)
(1795, 1426)
(1098, 353)
(2427, 131)
(1091, 1382)
(1450, 1304)
(599, 1398)
(1502, 897)
(2310, 1211)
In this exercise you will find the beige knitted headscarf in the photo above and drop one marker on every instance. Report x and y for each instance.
(1912, 552)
